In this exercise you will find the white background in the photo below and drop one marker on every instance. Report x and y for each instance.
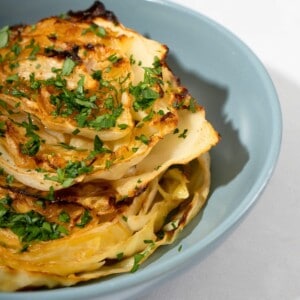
(260, 259)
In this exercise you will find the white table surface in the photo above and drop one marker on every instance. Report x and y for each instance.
(260, 259)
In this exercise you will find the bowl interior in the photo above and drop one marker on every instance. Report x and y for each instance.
(240, 101)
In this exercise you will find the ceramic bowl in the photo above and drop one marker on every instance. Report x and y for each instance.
(229, 80)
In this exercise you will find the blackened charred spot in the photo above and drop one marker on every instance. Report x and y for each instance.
(62, 54)
(38, 160)
(119, 62)
(112, 201)
(96, 10)
(17, 27)
(182, 95)
(111, 261)
(124, 202)
(166, 116)
(16, 31)
(89, 46)
(23, 191)
(85, 190)
(179, 101)
(52, 37)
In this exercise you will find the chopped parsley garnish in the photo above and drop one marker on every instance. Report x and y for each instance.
(76, 131)
(98, 144)
(34, 84)
(122, 126)
(67, 146)
(120, 256)
(32, 146)
(132, 60)
(108, 120)
(65, 176)
(51, 194)
(85, 219)
(68, 67)
(137, 259)
(143, 139)
(4, 36)
(183, 135)
(94, 28)
(108, 163)
(12, 78)
(97, 75)
(98, 148)
(2, 128)
(80, 104)
(113, 58)
(149, 117)
(29, 226)
(18, 93)
(175, 131)
(52, 36)
(3, 104)
(69, 101)
(145, 93)
(144, 96)
(35, 49)
(14, 65)
(109, 103)
(148, 241)
(9, 179)
(64, 217)
(134, 149)
(16, 49)
(192, 105)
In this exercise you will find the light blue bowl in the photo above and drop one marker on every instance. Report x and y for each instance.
(240, 101)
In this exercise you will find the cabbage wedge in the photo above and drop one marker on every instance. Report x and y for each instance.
(104, 155)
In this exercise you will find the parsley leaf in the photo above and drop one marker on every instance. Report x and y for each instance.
(183, 135)
(16, 49)
(137, 259)
(12, 78)
(120, 256)
(98, 144)
(144, 139)
(85, 219)
(32, 146)
(34, 84)
(2, 128)
(113, 58)
(68, 67)
(144, 96)
(108, 120)
(64, 217)
(9, 179)
(35, 49)
(4, 36)
(144, 92)
(98, 30)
